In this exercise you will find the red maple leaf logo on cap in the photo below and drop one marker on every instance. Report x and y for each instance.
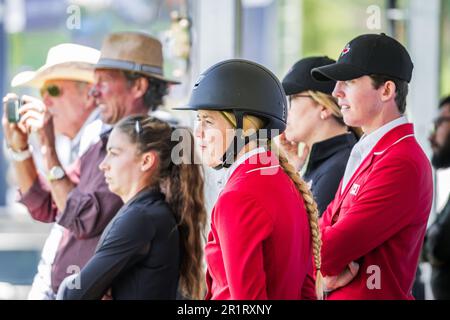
(345, 50)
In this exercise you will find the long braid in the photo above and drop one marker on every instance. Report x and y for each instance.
(313, 215)
(256, 123)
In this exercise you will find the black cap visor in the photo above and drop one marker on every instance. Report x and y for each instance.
(291, 88)
(337, 72)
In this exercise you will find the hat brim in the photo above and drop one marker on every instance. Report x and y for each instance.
(291, 88)
(201, 107)
(337, 72)
(22, 78)
(76, 71)
(117, 66)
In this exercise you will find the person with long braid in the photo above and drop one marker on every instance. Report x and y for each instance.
(152, 249)
(264, 225)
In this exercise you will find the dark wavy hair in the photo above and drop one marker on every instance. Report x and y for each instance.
(157, 89)
(183, 186)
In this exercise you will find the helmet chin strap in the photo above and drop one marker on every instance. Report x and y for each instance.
(238, 143)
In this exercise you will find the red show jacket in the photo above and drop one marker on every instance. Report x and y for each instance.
(259, 246)
(380, 219)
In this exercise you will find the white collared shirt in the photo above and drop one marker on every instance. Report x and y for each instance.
(222, 181)
(362, 149)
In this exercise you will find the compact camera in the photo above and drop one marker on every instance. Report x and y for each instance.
(12, 109)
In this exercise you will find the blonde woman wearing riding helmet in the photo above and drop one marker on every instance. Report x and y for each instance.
(315, 119)
(264, 229)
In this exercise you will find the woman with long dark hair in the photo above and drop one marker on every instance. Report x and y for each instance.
(152, 249)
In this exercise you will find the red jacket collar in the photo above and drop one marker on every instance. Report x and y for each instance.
(392, 137)
(258, 161)
(388, 140)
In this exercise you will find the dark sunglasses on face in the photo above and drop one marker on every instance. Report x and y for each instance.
(52, 90)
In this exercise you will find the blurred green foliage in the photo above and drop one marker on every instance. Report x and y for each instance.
(329, 25)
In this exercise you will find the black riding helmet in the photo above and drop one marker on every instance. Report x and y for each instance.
(242, 87)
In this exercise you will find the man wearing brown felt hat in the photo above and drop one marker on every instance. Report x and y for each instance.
(129, 77)
(129, 80)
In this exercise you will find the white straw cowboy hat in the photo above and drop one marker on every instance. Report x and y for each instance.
(135, 52)
(67, 61)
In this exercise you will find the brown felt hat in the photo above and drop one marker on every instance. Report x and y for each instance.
(135, 52)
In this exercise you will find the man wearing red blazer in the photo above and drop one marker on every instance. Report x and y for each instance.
(373, 230)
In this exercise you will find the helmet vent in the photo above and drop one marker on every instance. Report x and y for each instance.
(198, 81)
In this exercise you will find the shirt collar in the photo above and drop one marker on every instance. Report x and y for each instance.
(146, 193)
(229, 171)
(368, 142)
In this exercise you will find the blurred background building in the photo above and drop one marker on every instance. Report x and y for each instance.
(197, 34)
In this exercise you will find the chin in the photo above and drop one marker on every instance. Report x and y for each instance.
(295, 136)
(350, 122)
(112, 188)
(288, 134)
(291, 137)
(104, 118)
(209, 161)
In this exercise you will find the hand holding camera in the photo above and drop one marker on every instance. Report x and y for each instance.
(12, 109)
(15, 132)
(23, 116)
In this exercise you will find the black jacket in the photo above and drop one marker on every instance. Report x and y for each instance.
(326, 167)
(138, 255)
(436, 250)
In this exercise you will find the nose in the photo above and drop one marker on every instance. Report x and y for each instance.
(47, 100)
(338, 92)
(103, 165)
(94, 91)
(198, 130)
(432, 136)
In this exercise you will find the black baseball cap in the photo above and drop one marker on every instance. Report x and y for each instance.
(299, 79)
(369, 54)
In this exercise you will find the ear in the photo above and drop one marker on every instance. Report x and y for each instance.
(388, 91)
(139, 88)
(148, 161)
(325, 113)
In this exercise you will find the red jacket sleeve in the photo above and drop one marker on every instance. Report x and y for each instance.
(309, 286)
(382, 208)
(242, 226)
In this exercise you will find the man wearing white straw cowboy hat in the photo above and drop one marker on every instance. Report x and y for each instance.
(129, 80)
(129, 77)
(76, 198)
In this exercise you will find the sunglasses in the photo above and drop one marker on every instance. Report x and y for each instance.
(52, 90)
